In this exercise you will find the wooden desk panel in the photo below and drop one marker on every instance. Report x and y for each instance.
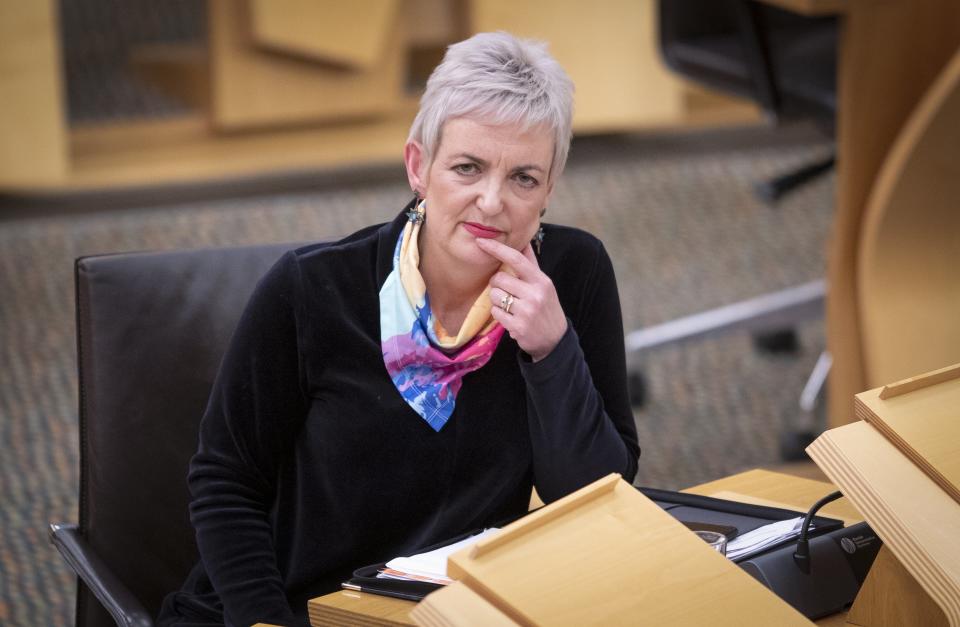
(354, 608)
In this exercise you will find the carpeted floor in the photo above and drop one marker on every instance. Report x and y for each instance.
(675, 211)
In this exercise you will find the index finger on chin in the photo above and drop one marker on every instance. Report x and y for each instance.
(512, 257)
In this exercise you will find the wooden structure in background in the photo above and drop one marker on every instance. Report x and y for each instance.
(295, 85)
(755, 486)
(891, 51)
(908, 283)
(33, 138)
(612, 56)
(352, 34)
(916, 578)
(252, 88)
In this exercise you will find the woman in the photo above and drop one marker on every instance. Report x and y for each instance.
(414, 380)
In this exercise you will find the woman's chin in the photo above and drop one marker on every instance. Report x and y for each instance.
(479, 259)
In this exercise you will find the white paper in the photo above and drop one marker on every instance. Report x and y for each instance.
(764, 537)
(434, 563)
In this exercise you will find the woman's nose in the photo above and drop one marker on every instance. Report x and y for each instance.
(490, 200)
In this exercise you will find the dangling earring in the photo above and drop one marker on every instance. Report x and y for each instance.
(417, 214)
(537, 240)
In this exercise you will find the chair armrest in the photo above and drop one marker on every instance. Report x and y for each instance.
(125, 608)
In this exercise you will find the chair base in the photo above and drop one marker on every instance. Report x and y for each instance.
(772, 190)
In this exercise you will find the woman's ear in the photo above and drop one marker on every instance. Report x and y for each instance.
(415, 161)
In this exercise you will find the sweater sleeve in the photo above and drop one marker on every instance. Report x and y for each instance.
(581, 423)
(255, 407)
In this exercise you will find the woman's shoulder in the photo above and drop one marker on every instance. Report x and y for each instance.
(321, 263)
(568, 249)
(356, 242)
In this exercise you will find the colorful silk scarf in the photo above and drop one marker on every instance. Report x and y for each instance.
(427, 364)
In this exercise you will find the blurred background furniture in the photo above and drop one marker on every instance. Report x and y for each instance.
(301, 84)
(785, 62)
(890, 53)
(908, 282)
(151, 329)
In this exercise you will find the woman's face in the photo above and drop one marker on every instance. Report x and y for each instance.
(488, 181)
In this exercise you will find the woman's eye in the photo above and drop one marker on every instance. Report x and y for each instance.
(526, 180)
(466, 168)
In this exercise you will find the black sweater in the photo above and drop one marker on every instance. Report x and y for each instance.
(310, 464)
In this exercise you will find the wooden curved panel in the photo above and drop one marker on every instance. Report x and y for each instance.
(909, 264)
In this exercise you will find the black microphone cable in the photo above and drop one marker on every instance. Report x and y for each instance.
(801, 557)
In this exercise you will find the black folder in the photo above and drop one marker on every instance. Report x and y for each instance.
(743, 517)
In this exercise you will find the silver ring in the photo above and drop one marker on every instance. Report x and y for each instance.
(509, 303)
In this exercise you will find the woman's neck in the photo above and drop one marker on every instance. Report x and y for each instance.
(453, 289)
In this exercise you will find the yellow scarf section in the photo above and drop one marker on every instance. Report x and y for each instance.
(478, 321)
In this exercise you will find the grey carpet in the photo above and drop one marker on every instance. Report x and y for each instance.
(675, 212)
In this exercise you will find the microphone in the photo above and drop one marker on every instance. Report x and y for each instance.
(801, 556)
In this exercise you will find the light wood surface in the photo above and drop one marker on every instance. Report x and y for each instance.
(762, 485)
(581, 499)
(919, 382)
(924, 424)
(349, 33)
(278, 114)
(890, 597)
(252, 88)
(570, 563)
(914, 517)
(611, 55)
(908, 282)
(181, 150)
(356, 608)
(891, 51)
(457, 605)
(33, 140)
(433, 22)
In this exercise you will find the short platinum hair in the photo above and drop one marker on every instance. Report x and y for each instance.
(500, 79)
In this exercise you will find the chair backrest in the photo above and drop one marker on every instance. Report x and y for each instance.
(785, 62)
(151, 329)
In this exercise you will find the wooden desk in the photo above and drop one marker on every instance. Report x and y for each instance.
(355, 608)
(890, 53)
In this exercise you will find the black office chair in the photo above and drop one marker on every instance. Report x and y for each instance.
(785, 62)
(151, 329)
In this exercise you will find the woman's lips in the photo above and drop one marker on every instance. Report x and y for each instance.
(479, 230)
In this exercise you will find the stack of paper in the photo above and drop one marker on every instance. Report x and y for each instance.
(432, 565)
(764, 537)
